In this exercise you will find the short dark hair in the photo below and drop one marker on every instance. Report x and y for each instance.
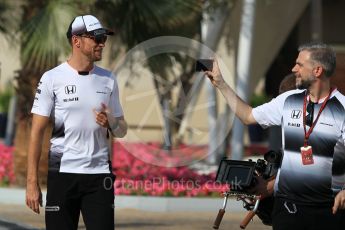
(69, 33)
(322, 54)
(288, 83)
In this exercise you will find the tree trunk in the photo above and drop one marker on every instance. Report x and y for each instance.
(27, 82)
(167, 132)
(21, 141)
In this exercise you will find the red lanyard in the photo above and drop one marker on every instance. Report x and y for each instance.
(307, 134)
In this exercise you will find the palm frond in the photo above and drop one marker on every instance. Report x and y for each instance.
(9, 18)
(137, 21)
(44, 35)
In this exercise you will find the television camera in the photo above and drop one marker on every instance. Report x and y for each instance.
(242, 176)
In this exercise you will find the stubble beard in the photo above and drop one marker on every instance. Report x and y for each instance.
(305, 83)
(95, 57)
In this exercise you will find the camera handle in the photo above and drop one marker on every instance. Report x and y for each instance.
(221, 212)
(250, 214)
(239, 196)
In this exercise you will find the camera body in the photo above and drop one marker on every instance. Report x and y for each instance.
(241, 174)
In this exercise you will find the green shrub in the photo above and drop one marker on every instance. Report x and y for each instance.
(258, 99)
(5, 97)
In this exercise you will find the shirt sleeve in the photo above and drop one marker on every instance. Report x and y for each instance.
(44, 97)
(271, 113)
(114, 103)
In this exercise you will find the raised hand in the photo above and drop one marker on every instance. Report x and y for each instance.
(215, 75)
(105, 118)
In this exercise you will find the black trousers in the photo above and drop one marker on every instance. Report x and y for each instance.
(68, 194)
(289, 216)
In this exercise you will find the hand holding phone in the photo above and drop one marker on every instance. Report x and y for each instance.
(203, 65)
(211, 70)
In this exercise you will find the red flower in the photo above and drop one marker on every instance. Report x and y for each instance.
(139, 176)
(7, 176)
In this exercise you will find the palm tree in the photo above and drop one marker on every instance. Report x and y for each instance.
(42, 42)
(138, 21)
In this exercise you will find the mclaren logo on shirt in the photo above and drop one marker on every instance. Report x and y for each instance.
(70, 89)
(296, 114)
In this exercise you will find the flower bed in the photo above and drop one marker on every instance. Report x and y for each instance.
(139, 177)
(7, 176)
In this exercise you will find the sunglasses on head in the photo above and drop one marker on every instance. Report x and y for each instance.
(99, 38)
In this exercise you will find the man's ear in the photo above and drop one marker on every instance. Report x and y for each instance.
(318, 71)
(75, 41)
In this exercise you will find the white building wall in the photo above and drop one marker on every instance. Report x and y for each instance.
(9, 59)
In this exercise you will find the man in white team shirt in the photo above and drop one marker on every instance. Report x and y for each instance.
(82, 100)
(310, 186)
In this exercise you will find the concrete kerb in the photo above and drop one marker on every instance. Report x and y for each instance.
(16, 196)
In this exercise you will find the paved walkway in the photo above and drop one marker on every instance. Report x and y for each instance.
(130, 219)
(5, 225)
(15, 216)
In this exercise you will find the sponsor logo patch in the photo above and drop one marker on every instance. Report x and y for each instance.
(70, 89)
(294, 124)
(296, 114)
(52, 208)
(323, 123)
(71, 99)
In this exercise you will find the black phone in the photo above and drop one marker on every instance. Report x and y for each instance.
(203, 65)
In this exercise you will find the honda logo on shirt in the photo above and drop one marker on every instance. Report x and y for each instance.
(70, 89)
(296, 114)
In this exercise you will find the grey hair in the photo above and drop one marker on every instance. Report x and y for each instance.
(322, 54)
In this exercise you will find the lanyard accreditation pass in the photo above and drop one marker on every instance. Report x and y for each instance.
(306, 150)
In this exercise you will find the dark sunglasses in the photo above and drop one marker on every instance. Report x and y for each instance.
(310, 117)
(99, 38)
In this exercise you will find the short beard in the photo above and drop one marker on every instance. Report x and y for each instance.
(305, 84)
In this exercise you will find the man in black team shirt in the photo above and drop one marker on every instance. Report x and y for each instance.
(309, 188)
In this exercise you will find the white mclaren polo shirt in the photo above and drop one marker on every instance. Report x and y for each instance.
(78, 143)
(316, 183)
